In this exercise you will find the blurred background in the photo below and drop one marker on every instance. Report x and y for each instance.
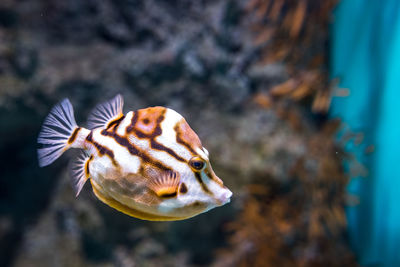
(294, 99)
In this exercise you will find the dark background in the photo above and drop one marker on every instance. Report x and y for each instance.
(250, 77)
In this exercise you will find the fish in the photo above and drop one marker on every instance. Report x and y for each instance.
(147, 163)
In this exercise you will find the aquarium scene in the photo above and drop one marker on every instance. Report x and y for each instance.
(196, 133)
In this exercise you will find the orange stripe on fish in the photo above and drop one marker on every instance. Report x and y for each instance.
(73, 135)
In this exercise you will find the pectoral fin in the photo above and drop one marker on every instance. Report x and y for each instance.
(166, 185)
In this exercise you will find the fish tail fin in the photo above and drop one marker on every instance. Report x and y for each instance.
(58, 132)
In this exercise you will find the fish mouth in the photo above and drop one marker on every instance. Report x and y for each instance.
(224, 197)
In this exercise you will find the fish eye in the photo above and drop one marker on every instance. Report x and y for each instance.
(197, 163)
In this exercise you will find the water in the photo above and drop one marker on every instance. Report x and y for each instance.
(254, 82)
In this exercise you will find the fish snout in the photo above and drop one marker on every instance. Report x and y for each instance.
(225, 196)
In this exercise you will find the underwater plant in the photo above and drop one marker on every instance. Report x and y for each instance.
(298, 222)
(296, 33)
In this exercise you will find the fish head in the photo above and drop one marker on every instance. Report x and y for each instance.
(198, 188)
(185, 192)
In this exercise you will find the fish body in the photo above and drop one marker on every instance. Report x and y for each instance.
(147, 163)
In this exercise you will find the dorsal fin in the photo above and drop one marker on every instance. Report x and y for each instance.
(104, 113)
(80, 171)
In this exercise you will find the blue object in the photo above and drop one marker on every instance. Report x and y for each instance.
(365, 56)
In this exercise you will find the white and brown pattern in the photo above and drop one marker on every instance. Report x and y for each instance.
(148, 163)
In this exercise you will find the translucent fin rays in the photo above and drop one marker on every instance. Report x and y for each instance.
(79, 171)
(106, 112)
(56, 130)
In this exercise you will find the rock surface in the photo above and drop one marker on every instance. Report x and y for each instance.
(196, 57)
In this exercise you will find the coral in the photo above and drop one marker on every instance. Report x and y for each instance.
(296, 33)
(300, 222)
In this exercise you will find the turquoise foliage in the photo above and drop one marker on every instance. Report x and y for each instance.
(365, 56)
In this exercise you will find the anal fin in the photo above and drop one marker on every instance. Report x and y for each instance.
(80, 171)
